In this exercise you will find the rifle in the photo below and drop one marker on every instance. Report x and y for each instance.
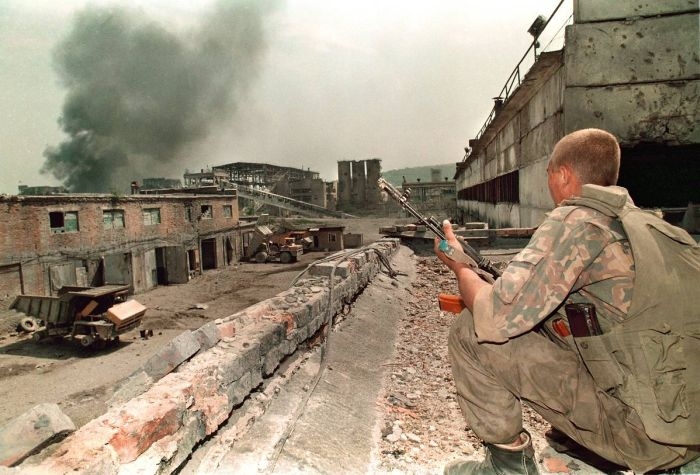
(488, 271)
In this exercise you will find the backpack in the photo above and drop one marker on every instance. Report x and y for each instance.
(651, 361)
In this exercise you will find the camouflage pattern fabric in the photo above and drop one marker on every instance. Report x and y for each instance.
(492, 379)
(579, 255)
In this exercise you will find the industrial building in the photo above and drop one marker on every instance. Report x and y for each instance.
(357, 184)
(628, 67)
(295, 183)
(263, 174)
(140, 240)
(436, 196)
(308, 190)
(156, 183)
(41, 190)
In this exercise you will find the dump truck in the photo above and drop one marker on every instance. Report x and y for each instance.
(90, 316)
(298, 237)
(262, 247)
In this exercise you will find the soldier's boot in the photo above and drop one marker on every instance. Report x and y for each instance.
(500, 460)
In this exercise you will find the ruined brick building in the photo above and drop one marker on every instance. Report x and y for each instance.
(629, 67)
(141, 240)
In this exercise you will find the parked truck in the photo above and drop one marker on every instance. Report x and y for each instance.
(302, 238)
(262, 247)
(87, 315)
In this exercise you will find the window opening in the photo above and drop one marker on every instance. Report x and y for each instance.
(151, 216)
(63, 221)
(113, 218)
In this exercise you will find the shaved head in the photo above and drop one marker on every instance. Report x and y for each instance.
(592, 154)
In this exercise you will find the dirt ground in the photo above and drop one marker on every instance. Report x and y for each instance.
(81, 381)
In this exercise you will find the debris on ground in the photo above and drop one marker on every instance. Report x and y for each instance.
(423, 428)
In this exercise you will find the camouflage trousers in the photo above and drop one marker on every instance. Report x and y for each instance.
(491, 380)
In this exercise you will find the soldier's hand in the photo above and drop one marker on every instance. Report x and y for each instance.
(453, 242)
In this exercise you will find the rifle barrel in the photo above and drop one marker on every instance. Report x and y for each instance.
(436, 228)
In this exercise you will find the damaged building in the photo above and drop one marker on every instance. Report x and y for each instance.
(156, 183)
(295, 183)
(357, 184)
(631, 68)
(87, 240)
(436, 196)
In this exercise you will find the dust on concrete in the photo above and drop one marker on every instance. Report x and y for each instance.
(81, 380)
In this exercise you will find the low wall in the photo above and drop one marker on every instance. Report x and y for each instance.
(185, 392)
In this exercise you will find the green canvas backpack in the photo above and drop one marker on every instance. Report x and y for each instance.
(651, 361)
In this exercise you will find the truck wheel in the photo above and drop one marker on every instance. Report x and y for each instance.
(286, 257)
(38, 336)
(28, 324)
(261, 257)
(86, 341)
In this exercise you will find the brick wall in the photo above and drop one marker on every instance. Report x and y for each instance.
(30, 235)
(192, 385)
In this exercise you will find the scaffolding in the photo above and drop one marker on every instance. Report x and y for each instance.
(263, 175)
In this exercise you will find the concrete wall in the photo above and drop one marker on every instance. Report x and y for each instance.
(190, 387)
(359, 183)
(630, 67)
(586, 11)
(522, 143)
(633, 68)
(309, 190)
(374, 171)
(344, 184)
(332, 195)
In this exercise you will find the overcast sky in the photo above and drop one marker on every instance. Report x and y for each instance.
(409, 82)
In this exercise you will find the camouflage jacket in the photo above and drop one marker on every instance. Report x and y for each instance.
(576, 255)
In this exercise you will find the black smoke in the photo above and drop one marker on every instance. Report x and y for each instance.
(139, 92)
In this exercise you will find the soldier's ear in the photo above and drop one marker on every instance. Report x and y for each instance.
(566, 174)
(570, 182)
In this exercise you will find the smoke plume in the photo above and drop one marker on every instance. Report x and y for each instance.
(138, 93)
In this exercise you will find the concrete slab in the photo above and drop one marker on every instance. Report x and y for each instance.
(29, 432)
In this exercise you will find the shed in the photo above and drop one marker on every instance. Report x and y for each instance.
(328, 238)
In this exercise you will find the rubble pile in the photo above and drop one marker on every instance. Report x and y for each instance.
(423, 428)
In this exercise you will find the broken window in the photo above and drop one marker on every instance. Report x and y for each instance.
(188, 213)
(63, 221)
(206, 212)
(332, 237)
(113, 218)
(228, 211)
(151, 216)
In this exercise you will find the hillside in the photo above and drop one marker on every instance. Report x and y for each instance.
(412, 174)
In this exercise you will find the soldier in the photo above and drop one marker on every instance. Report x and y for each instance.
(510, 344)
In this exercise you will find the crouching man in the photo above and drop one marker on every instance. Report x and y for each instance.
(626, 388)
